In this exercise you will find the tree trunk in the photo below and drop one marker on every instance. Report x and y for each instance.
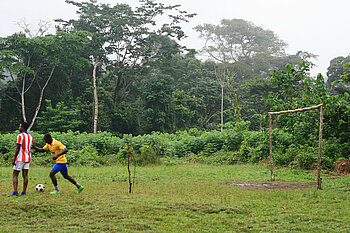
(42, 90)
(95, 112)
(23, 101)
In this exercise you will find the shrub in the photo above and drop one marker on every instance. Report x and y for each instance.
(86, 156)
(147, 156)
(307, 157)
(42, 159)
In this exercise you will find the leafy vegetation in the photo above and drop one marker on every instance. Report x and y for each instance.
(235, 144)
(122, 74)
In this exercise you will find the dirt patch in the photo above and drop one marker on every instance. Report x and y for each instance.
(342, 166)
(273, 185)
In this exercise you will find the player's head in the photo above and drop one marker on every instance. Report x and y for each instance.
(23, 127)
(48, 138)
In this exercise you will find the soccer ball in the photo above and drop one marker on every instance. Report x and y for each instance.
(40, 188)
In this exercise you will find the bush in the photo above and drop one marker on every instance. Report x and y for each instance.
(234, 144)
(307, 157)
(42, 159)
(219, 158)
(86, 156)
(147, 156)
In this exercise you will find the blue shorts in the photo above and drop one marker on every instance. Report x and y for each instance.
(60, 167)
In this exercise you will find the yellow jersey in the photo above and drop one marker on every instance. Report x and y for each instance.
(56, 147)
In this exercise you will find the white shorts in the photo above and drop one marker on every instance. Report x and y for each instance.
(21, 165)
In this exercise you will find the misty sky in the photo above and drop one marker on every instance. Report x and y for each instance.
(317, 26)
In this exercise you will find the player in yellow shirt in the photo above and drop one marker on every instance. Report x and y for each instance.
(58, 151)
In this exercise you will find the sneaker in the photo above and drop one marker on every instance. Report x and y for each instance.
(23, 193)
(80, 189)
(55, 192)
(15, 193)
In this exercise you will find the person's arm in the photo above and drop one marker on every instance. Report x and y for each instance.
(64, 150)
(38, 149)
(16, 153)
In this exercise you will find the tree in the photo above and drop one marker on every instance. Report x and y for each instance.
(60, 118)
(124, 38)
(346, 76)
(157, 95)
(236, 39)
(234, 43)
(338, 74)
(295, 89)
(29, 61)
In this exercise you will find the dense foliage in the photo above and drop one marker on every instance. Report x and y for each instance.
(235, 144)
(119, 69)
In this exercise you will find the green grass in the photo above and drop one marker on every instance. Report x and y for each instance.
(179, 198)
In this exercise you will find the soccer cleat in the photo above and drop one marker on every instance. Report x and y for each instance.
(80, 189)
(14, 194)
(55, 192)
(23, 193)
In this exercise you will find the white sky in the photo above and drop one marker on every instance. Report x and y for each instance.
(317, 26)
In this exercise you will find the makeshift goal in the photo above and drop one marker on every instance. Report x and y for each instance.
(320, 139)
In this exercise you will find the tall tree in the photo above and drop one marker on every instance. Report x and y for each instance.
(247, 51)
(29, 61)
(124, 38)
(236, 39)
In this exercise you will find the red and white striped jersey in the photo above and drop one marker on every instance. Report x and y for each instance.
(25, 141)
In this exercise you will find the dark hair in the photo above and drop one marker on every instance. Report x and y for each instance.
(47, 135)
(25, 125)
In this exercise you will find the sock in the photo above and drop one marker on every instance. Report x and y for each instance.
(56, 188)
(78, 185)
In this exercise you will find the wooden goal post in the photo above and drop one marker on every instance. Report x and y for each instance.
(320, 139)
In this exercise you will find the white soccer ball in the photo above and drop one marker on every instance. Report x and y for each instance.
(40, 188)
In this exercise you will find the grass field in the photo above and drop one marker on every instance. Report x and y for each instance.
(179, 198)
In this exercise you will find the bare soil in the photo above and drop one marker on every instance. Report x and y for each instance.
(275, 185)
(342, 166)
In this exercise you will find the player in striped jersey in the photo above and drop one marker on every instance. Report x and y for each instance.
(22, 158)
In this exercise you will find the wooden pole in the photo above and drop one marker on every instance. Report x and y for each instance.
(296, 110)
(222, 106)
(130, 183)
(320, 150)
(270, 145)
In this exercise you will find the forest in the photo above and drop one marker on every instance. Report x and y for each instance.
(121, 72)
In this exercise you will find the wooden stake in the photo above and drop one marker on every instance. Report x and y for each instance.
(320, 150)
(130, 183)
(270, 143)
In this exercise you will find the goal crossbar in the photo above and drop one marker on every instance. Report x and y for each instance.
(296, 110)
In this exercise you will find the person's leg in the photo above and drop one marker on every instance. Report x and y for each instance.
(15, 181)
(25, 180)
(64, 172)
(16, 170)
(54, 182)
(68, 177)
(53, 177)
(25, 171)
